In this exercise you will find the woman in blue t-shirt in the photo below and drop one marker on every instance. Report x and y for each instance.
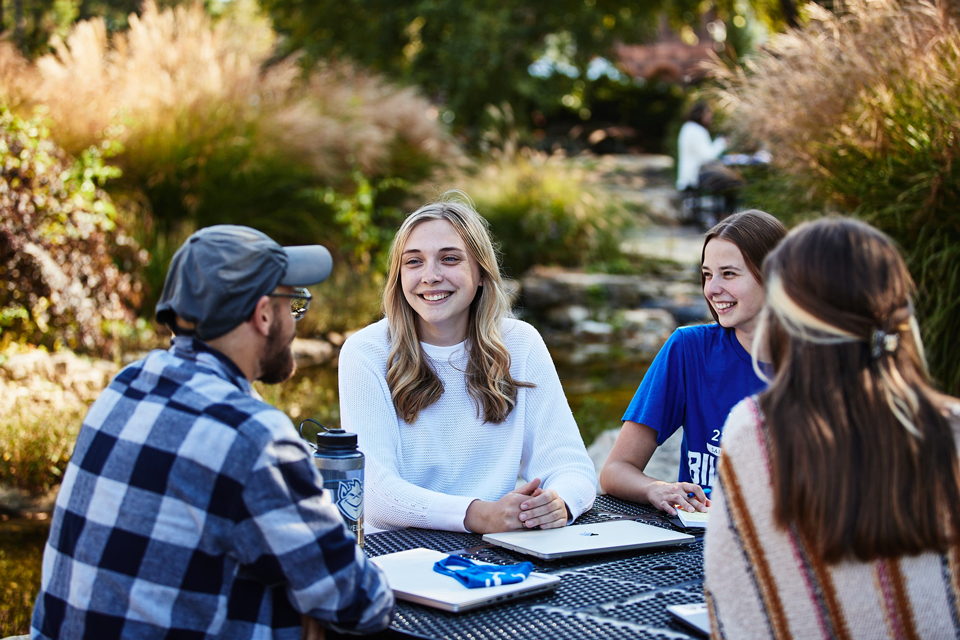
(699, 374)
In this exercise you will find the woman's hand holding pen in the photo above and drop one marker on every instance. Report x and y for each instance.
(668, 496)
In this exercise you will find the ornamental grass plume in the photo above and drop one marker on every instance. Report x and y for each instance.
(202, 111)
(833, 81)
(861, 111)
(177, 72)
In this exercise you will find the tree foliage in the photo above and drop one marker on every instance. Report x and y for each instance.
(464, 53)
(32, 25)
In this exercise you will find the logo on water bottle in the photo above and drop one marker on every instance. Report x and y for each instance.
(350, 498)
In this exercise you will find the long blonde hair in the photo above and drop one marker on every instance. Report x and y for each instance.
(414, 385)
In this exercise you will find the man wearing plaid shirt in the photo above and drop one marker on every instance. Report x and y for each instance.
(191, 508)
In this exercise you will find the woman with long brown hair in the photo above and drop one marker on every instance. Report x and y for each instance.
(699, 374)
(836, 514)
(452, 398)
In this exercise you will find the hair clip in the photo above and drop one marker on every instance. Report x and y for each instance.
(882, 341)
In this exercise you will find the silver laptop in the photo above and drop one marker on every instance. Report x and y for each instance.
(412, 578)
(693, 616)
(584, 539)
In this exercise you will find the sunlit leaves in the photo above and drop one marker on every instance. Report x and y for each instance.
(64, 266)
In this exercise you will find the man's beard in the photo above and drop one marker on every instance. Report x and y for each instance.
(277, 363)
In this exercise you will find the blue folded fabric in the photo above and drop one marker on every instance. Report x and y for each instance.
(476, 576)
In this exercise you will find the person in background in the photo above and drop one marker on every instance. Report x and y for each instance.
(452, 398)
(699, 374)
(836, 511)
(695, 148)
(709, 188)
(190, 508)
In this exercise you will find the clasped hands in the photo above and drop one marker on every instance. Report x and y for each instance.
(525, 507)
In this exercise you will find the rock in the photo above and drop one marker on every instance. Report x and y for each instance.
(511, 287)
(309, 352)
(21, 365)
(582, 353)
(636, 334)
(567, 316)
(662, 203)
(658, 321)
(678, 244)
(594, 328)
(685, 310)
(599, 451)
(14, 501)
(546, 287)
(665, 462)
(681, 291)
(644, 331)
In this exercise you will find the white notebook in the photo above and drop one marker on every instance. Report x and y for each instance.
(695, 520)
(584, 539)
(412, 578)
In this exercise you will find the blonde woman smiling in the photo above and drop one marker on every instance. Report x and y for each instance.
(452, 398)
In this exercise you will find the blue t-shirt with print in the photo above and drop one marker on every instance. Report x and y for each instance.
(697, 377)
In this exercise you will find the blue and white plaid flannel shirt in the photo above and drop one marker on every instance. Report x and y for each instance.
(192, 509)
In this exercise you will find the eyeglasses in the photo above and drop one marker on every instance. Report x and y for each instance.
(299, 301)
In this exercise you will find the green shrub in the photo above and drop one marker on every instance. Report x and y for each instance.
(64, 262)
(542, 211)
(862, 113)
(470, 52)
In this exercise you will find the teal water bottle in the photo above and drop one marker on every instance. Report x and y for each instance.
(341, 465)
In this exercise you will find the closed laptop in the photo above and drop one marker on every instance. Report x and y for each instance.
(585, 539)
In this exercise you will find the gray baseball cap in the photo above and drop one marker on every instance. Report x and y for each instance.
(220, 272)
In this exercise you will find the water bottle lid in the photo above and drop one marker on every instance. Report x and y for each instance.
(336, 439)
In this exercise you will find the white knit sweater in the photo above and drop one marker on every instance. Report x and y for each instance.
(426, 474)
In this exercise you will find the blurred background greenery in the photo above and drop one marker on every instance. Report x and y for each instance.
(125, 127)
(317, 121)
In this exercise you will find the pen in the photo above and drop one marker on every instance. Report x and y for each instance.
(706, 491)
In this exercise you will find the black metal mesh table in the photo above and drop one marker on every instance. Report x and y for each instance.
(615, 596)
